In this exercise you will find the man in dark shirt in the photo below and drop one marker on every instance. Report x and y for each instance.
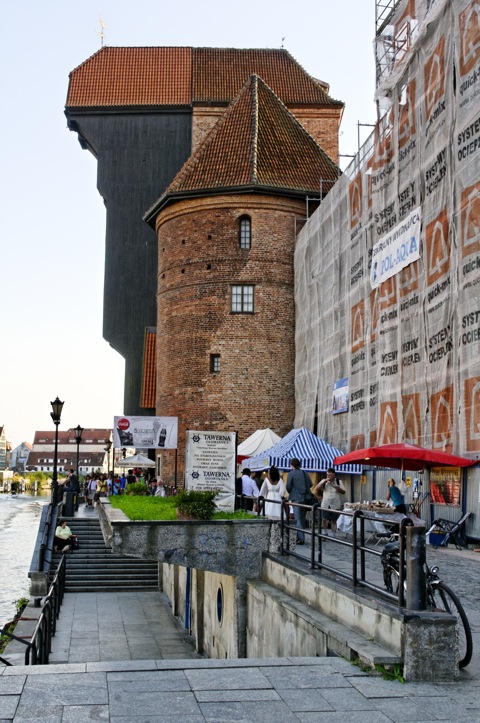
(297, 488)
(131, 477)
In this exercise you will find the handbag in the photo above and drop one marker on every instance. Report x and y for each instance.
(310, 498)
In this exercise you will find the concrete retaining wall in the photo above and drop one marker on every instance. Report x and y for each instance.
(270, 607)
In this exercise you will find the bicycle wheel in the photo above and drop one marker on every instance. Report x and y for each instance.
(387, 577)
(445, 599)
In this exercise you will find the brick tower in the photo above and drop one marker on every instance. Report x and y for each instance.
(142, 112)
(226, 230)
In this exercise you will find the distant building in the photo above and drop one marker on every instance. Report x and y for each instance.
(92, 454)
(19, 457)
(3, 449)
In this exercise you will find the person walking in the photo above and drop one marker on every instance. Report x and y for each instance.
(298, 486)
(331, 490)
(273, 488)
(74, 484)
(249, 489)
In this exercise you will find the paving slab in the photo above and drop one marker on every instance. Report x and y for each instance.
(157, 677)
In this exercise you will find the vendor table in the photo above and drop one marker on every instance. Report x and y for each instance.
(381, 526)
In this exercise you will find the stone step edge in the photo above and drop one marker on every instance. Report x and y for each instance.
(339, 636)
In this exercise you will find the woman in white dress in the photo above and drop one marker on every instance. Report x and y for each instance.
(273, 488)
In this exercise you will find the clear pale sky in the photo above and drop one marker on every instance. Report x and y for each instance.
(52, 219)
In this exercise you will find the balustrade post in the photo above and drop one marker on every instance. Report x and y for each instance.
(415, 564)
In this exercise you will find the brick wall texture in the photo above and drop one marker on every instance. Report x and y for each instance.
(199, 260)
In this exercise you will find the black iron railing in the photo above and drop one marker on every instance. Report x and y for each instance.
(356, 542)
(38, 647)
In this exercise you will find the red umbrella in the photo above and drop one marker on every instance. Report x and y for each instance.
(403, 456)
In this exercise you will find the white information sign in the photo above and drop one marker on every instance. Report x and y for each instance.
(397, 249)
(211, 465)
(145, 432)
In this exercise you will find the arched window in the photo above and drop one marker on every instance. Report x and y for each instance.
(245, 232)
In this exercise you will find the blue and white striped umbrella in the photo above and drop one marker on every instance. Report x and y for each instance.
(314, 454)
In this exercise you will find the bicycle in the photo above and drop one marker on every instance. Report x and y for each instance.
(439, 598)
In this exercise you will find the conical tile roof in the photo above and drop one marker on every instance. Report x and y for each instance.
(257, 144)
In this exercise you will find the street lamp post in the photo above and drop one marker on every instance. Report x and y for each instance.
(108, 447)
(55, 414)
(78, 438)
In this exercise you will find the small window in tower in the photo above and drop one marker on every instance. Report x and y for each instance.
(214, 363)
(242, 300)
(245, 231)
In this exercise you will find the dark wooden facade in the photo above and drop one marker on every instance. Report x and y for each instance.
(138, 154)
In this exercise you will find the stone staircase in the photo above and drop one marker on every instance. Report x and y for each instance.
(94, 568)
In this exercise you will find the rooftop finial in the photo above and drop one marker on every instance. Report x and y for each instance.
(101, 32)
(283, 40)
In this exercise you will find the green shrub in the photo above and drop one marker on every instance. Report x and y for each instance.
(136, 488)
(196, 504)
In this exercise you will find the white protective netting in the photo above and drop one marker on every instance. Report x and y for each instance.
(407, 339)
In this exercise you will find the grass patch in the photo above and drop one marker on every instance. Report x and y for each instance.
(145, 508)
(237, 515)
(164, 508)
(20, 605)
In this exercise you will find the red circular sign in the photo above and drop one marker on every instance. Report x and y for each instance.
(123, 424)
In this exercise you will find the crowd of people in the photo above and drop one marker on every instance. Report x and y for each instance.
(266, 492)
(98, 484)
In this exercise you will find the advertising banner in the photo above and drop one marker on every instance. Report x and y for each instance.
(340, 396)
(211, 465)
(145, 432)
(445, 486)
(397, 249)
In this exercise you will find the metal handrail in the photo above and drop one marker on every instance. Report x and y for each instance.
(38, 648)
(358, 545)
(50, 521)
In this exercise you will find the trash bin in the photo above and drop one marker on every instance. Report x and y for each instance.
(69, 503)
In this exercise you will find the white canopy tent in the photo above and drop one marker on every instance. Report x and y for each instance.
(138, 460)
(258, 442)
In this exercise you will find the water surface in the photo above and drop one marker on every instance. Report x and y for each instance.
(19, 520)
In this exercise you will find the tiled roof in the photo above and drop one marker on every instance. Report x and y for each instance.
(256, 143)
(132, 77)
(127, 76)
(219, 73)
(98, 436)
(149, 381)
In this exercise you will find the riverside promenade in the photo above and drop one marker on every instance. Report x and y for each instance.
(122, 657)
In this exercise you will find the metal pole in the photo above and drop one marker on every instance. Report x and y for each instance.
(415, 562)
(54, 476)
(77, 491)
